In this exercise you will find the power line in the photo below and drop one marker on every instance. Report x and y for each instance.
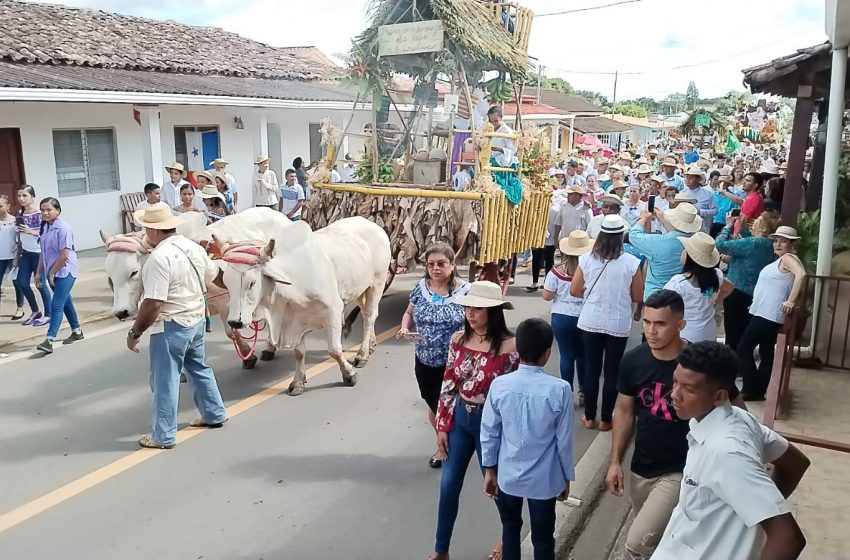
(587, 9)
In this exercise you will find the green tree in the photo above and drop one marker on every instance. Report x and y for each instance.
(691, 96)
(592, 96)
(558, 84)
(630, 110)
(727, 105)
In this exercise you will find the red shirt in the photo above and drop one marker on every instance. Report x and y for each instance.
(469, 374)
(752, 208)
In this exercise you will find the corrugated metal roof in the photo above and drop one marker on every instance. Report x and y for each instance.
(598, 125)
(48, 76)
(565, 102)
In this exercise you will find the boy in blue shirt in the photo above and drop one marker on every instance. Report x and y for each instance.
(527, 443)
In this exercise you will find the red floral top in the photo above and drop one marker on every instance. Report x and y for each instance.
(469, 374)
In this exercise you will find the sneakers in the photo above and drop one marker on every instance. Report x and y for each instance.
(532, 288)
(41, 321)
(32, 318)
(75, 336)
(46, 346)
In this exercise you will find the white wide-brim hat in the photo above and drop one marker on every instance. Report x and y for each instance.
(613, 223)
(157, 216)
(684, 217)
(209, 191)
(787, 232)
(484, 294)
(576, 243)
(702, 249)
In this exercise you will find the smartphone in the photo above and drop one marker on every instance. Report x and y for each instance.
(650, 205)
(735, 212)
(413, 336)
(19, 220)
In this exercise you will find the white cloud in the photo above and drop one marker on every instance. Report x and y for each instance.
(650, 36)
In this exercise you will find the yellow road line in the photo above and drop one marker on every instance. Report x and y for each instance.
(86, 482)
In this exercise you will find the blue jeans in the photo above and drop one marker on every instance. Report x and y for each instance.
(571, 348)
(6, 265)
(62, 303)
(181, 349)
(464, 440)
(541, 513)
(27, 265)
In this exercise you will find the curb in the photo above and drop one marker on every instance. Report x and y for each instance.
(91, 319)
(588, 487)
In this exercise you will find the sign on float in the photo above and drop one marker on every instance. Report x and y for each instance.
(410, 38)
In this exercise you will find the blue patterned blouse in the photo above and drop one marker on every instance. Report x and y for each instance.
(749, 255)
(436, 318)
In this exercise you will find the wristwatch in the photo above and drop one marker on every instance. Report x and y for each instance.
(134, 334)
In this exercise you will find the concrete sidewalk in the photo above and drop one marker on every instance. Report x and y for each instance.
(92, 298)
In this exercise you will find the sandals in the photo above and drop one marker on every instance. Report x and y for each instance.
(496, 553)
(589, 424)
(199, 423)
(149, 443)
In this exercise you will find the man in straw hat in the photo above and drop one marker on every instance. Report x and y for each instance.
(611, 205)
(668, 171)
(220, 166)
(265, 184)
(170, 191)
(705, 201)
(572, 215)
(664, 252)
(174, 281)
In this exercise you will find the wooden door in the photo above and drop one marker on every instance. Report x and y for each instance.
(11, 163)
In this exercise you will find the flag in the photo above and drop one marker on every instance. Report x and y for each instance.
(201, 149)
(732, 142)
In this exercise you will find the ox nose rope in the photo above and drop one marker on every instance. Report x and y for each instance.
(245, 254)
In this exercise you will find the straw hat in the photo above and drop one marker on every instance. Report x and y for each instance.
(626, 156)
(618, 185)
(219, 161)
(641, 160)
(209, 191)
(658, 179)
(652, 151)
(603, 161)
(613, 223)
(157, 216)
(576, 189)
(684, 217)
(685, 196)
(611, 199)
(787, 232)
(206, 175)
(556, 171)
(176, 166)
(261, 159)
(694, 170)
(769, 168)
(615, 167)
(644, 168)
(702, 249)
(576, 244)
(484, 294)
(668, 162)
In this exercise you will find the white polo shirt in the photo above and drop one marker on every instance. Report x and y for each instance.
(726, 491)
(168, 276)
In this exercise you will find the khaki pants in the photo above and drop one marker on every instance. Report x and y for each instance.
(653, 500)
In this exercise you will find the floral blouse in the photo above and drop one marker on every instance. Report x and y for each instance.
(468, 375)
(436, 318)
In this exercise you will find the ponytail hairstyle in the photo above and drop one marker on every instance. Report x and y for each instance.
(31, 191)
(55, 204)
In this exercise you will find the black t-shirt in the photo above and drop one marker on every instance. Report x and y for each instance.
(661, 443)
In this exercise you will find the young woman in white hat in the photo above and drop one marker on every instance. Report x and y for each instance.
(609, 281)
(482, 351)
(776, 293)
(701, 285)
(216, 206)
(566, 309)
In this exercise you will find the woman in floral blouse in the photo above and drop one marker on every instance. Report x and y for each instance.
(481, 352)
(436, 316)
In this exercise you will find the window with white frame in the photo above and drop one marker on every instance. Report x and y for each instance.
(86, 161)
(604, 138)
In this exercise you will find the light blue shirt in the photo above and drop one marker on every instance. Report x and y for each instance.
(527, 432)
(664, 253)
(706, 204)
(675, 181)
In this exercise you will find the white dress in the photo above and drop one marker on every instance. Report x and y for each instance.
(699, 308)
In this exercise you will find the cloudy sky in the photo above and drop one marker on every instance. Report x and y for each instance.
(667, 43)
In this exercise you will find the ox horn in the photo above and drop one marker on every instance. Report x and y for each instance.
(269, 249)
(104, 237)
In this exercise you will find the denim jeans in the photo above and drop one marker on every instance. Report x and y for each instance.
(181, 349)
(6, 265)
(27, 265)
(571, 349)
(62, 303)
(541, 514)
(464, 440)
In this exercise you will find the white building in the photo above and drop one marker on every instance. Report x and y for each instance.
(93, 105)
(643, 130)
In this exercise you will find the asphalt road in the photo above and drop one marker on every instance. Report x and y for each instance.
(337, 473)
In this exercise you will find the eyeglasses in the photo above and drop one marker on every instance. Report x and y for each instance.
(438, 264)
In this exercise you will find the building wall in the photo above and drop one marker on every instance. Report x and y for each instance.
(93, 212)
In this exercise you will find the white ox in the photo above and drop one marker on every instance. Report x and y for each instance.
(302, 280)
(126, 254)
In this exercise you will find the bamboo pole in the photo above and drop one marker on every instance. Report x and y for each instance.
(375, 165)
(390, 191)
(348, 124)
(468, 95)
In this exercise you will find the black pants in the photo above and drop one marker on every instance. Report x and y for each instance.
(542, 258)
(715, 229)
(762, 333)
(541, 514)
(736, 316)
(603, 353)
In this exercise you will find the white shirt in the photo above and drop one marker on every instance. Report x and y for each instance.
(726, 491)
(506, 157)
(8, 238)
(706, 204)
(168, 276)
(170, 193)
(772, 289)
(349, 173)
(461, 179)
(570, 218)
(607, 305)
(699, 308)
(564, 303)
(265, 188)
(335, 176)
(632, 213)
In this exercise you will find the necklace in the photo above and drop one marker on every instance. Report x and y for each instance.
(481, 337)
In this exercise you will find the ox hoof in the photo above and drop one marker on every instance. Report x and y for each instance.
(266, 355)
(296, 389)
(350, 381)
(359, 362)
(249, 363)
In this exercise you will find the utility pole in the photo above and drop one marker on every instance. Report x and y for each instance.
(539, 81)
(614, 103)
